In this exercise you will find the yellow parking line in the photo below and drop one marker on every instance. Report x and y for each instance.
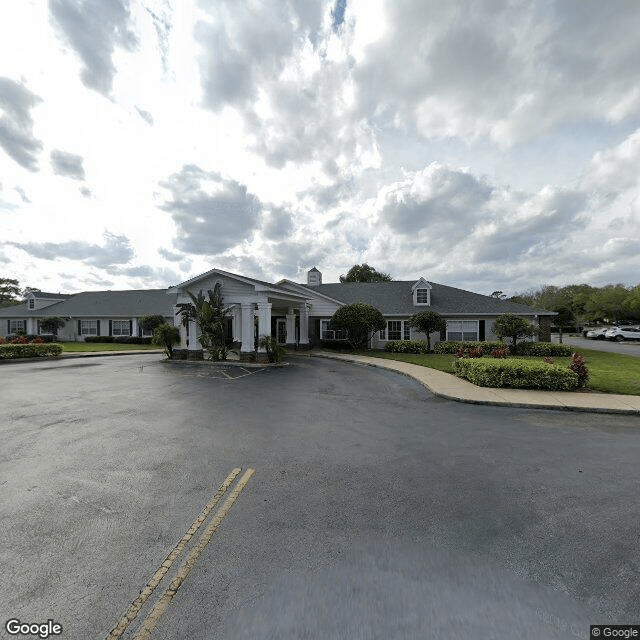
(160, 607)
(136, 605)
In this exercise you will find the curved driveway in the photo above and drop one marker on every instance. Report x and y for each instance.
(376, 509)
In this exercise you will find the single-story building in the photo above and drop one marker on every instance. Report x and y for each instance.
(299, 315)
(90, 313)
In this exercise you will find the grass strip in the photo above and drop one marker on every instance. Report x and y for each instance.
(609, 372)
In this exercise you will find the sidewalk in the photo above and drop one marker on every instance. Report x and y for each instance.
(451, 387)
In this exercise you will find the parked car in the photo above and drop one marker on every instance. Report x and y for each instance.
(623, 333)
(597, 334)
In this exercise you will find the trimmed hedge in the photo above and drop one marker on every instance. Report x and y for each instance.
(544, 349)
(10, 351)
(516, 374)
(406, 346)
(452, 346)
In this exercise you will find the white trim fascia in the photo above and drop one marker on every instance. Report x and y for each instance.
(422, 284)
(202, 276)
(316, 294)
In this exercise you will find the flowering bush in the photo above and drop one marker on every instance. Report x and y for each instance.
(461, 352)
(476, 352)
(579, 366)
(19, 340)
(500, 352)
(37, 341)
(2, 340)
(548, 359)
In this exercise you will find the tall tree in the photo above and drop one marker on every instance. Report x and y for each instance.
(365, 273)
(511, 326)
(427, 322)
(9, 292)
(360, 321)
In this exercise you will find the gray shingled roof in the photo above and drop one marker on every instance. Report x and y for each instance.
(396, 298)
(44, 295)
(102, 304)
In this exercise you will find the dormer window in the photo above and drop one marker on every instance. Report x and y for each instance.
(421, 293)
(32, 303)
(422, 296)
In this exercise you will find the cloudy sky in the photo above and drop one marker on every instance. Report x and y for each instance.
(485, 144)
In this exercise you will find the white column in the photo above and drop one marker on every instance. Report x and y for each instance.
(236, 323)
(264, 321)
(194, 343)
(177, 322)
(304, 324)
(134, 326)
(247, 328)
(31, 326)
(291, 326)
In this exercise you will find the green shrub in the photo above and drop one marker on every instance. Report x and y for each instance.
(98, 339)
(44, 338)
(274, 351)
(544, 349)
(131, 340)
(10, 351)
(452, 346)
(166, 336)
(406, 346)
(516, 374)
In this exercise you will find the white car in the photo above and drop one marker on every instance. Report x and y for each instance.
(597, 334)
(623, 333)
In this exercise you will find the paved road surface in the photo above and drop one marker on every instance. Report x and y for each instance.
(629, 347)
(375, 511)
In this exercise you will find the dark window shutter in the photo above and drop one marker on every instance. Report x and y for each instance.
(110, 327)
(98, 327)
(130, 327)
(481, 331)
(79, 327)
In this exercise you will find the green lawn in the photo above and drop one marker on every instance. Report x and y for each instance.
(609, 372)
(68, 347)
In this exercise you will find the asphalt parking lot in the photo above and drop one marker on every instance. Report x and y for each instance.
(369, 509)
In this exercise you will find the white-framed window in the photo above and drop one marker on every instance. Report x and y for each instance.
(462, 330)
(16, 325)
(147, 333)
(120, 328)
(396, 330)
(329, 332)
(422, 296)
(88, 327)
(32, 303)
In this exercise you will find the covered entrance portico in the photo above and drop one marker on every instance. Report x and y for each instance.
(256, 308)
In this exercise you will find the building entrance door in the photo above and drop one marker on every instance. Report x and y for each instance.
(281, 331)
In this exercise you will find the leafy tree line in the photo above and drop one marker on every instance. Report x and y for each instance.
(580, 304)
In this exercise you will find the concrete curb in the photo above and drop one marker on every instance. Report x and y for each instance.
(470, 393)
